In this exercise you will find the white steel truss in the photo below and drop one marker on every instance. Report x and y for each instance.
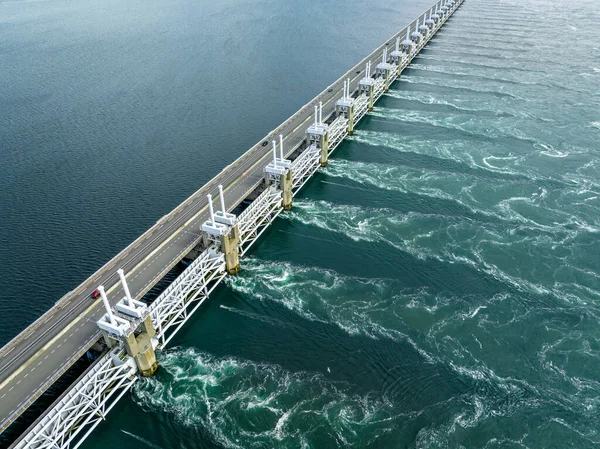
(378, 88)
(361, 105)
(337, 131)
(258, 216)
(303, 167)
(179, 301)
(85, 405)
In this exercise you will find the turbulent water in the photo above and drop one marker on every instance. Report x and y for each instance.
(436, 286)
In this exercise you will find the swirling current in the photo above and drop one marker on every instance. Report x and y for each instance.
(435, 286)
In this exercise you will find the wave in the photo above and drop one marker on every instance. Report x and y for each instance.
(472, 191)
(415, 79)
(518, 82)
(244, 404)
(472, 127)
(428, 99)
(382, 308)
(358, 306)
(462, 63)
(515, 227)
(142, 440)
(508, 166)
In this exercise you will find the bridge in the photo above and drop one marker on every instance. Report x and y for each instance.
(257, 186)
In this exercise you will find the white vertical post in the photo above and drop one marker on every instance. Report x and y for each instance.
(281, 147)
(348, 89)
(128, 297)
(316, 116)
(367, 71)
(212, 212)
(274, 154)
(223, 210)
(111, 318)
(344, 92)
(320, 112)
(398, 43)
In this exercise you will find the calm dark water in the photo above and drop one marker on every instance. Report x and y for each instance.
(112, 113)
(435, 287)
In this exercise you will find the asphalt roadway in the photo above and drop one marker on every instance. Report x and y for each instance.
(33, 360)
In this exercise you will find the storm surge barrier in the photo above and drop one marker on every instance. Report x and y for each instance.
(132, 330)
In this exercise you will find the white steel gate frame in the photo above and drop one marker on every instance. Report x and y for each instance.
(303, 167)
(258, 216)
(186, 293)
(85, 405)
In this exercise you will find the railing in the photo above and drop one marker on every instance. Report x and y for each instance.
(361, 105)
(303, 167)
(336, 132)
(85, 405)
(258, 216)
(180, 300)
(378, 88)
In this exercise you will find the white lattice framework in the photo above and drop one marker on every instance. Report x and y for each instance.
(304, 166)
(170, 311)
(85, 405)
(361, 105)
(337, 131)
(258, 216)
(378, 88)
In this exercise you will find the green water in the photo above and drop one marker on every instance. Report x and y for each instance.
(436, 286)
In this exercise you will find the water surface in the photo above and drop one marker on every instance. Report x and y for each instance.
(435, 286)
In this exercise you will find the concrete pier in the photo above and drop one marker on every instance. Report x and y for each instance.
(285, 184)
(140, 348)
(230, 248)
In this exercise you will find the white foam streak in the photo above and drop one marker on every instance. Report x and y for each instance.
(244, 404)
(353, 304)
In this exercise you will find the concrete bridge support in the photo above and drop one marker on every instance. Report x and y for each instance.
(139, 347)
(345, 106)
(367, 86)
(222, 228)
(230, 243)
(286, 189)
(384, 70)
(318, 136)
(279, 171)
(397, 55)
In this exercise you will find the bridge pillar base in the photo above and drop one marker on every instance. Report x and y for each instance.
(230, 243)
(140, 348)
(351, 120)
(369, 89)
(324, 159)
(285, 184)
(387, 79)
(146, 359)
